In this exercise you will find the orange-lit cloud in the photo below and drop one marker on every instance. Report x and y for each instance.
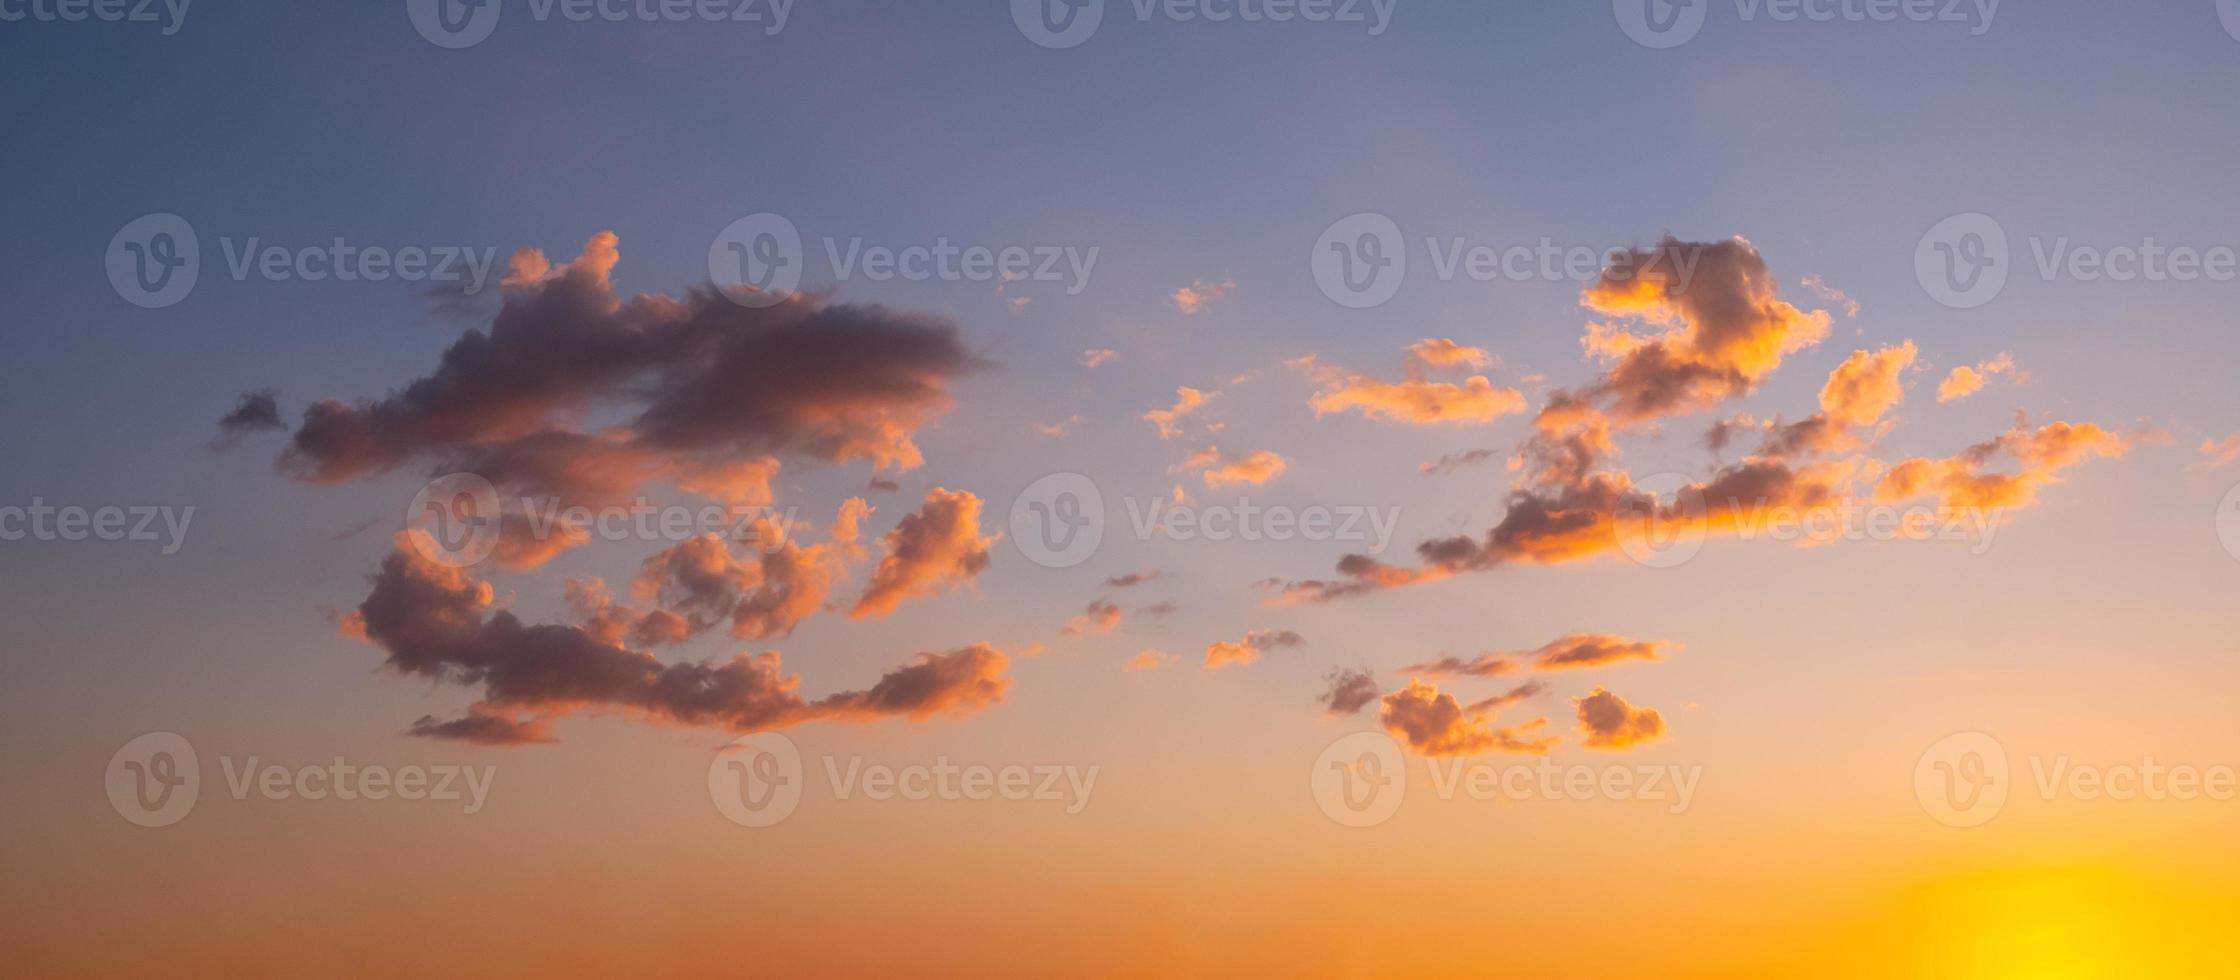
(1965, 380)
(1251, 469)
(935, 548)
(1349, 692)
(1186, 401)
(1100, 618)
(1608, 722)
(1223, 653)
(1431, 723)
(1579, 650)
(1200, 294)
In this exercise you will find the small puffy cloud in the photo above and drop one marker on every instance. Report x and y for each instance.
(1186, 401)
(1100, 618)
(1350, 691)
(1484, 665)
(1097, 357)
(1580, 650)
(2219, 453)
(1223, 653)
(1219, 470)
(1149, 660)
(1960, 481)
(1437, 352)
(937, 547)
(1200, 294)
(1435, 724)
(1453, 462)
(1608, 722)
(257, 411)
(1133, 579)
(1965, 380)
(1830, 294)
(483, 725)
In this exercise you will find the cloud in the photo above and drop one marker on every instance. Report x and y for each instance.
(699, 582)
(2217, 454)
(1149, 660)
(257, 411)
(1515, 695)
(1718, 327)
(1579, 650)
(1158, 609)
(1436, 724)
(1830, 294)
(1101, 617)
(1200, 294)
(437, 622)
(711, 392)
(1350, 691)
(1186, 401)
(1608, 722)
(483, 726)
(1484, 665)
(1439, 352)
(847, 526)
(1133, 579)
(1965, 380)
(1415, 400)
(1252, 469)
(1451, 462)
(1246, 651)
(937, 547)
(1960, 481)
(1097, 357)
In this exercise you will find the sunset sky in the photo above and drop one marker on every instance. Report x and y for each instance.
(1836, 427)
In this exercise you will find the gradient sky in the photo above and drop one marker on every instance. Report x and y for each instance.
(1805, 682)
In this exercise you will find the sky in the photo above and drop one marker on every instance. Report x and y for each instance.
(1119, 489)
